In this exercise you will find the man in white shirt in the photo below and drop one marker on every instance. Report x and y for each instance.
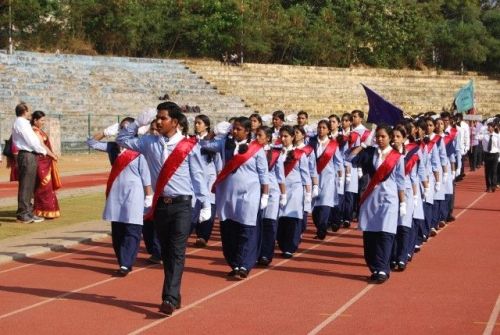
(29, 146)
(491, 147)
(464, 130)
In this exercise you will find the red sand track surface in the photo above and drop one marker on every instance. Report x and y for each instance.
(9, 189)
(451, 287)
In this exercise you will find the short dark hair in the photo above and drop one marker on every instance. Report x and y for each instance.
(287, 129)
(446, 115)
(21, 108)
(174, 111)
(280, 115)
(37, 115)
(359, 113)
(303, 113)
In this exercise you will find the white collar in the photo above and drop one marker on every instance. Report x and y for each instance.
(300, 146)
(267, 147)
(201, 136)
(240, 142)
(175, 139)
(385, 151)
(323, 142)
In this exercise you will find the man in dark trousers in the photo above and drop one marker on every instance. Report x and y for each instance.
(29, 146)
(491, 148)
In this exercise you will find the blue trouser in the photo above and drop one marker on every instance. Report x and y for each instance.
(239, 244)
(450, 202)
(126, 238)
(321, 218)
(151, 240)
(428, 219)
(268, 231)
(401, 244)
(378, 247)
(348, 205)
(303, 222)
(288, 235)
(436, 213)
(415, 235)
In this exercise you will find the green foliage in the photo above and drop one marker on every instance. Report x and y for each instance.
(382, 33)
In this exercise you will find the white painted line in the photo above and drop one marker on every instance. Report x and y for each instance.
(227, 288)
(490, 326)
(64, 295)
(360, 294)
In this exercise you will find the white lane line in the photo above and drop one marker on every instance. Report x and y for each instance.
(490, 326)
(64, 295)
(227, 288)
(366, 289)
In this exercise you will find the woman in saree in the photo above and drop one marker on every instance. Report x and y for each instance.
(48, 181)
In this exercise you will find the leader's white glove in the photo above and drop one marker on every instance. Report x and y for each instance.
(437, 186)
(340, 182)
(445, 177)
(368, 141)
(143, 130)
(222, 128)
(402, 209)
(148, 201)
(427, 194)
(315, 191)
(348, 178)
(205, 214)
(111, 130)
(307, 199)
(360, 172)
(264, 200)
(453, 174)
(146, 117)
(415, 200)
(283, 200)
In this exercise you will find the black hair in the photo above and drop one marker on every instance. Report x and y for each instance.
(184, 124)
(245, 122)
(287, 129)
(326, 123)
(446, 115)
(257, 116)
(279, 114)
(334, 116)
(268, 131)
(205, 119)
(299, 128)
(347, 115)
(303, 113)
(36, 115)
(360, 113)
(21, 108)
(174, 111)
(402, 129)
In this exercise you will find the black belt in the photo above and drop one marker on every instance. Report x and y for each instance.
(175, 200)
(29, 152)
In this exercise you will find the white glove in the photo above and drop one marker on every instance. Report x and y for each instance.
(205, 214)
(427, 193)
(415, 200)
(307, 199)
(291, 118)
(111, 130)
(368, 141)
(222, 128)
(360, 173)
(148, 201)
(402, 209)
(453, 174)
(437, 186)
(348, 178)
(340, 182)
(143, 130)
(445, 177)
(264, 200)
(315, 191)
(146, 117)
(283, 200)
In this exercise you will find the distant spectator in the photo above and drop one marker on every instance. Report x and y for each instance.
(233, 59)
(224, 59)
(165, 97)
(29, 145)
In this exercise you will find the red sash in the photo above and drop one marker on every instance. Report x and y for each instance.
(174, 160)
(365, 135)
(235, 162)
(382, 172)
(353, 137)
(275, 154)
(289, 165)
(411, 157)
(451, 136)
(307, 150)
(327, 155)
(121, 162)
(432, 142)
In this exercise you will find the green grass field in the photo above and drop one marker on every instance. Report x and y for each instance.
(73, 210)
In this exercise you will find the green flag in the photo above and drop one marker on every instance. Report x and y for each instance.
(464, 99)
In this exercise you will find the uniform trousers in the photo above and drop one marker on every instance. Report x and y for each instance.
(268, 231)
(415, 235)
(490, 169)
(151, 240)
(203, 229)
(428, 215)
(126, 238)
(288, 235)
(401, 244)
(378, 248)
(321, 216)
(348, 206)
(239, 244)
(173, 224)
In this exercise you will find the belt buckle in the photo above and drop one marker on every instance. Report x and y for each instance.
(168, 200)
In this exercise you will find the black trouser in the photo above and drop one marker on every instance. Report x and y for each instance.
(27, 164)
(490, 169)
(173, 224)
(474, 157)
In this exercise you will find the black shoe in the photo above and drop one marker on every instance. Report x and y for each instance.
(122, 271)
(233, 272)
(243, 273)
(200, 243)
(319, 236)
(410, 258)
(335, 227)
(401, 266)
(167, 307)
(287, 255)
(264, 261)
(373, 277)
(394, 265)
(417, 249)
(450, 219)
(381, 278)
(346, 224)
(154, 259)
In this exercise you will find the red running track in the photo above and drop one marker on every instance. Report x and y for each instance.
(451, 287)
(9, 189)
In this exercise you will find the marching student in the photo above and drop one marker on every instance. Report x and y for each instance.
(303, 121)
(212, 166)
(491, 149)
(297, 178)
(243, 179)
(128, 186)
(256, 121)
(277, 196)
(351, 173)
(329, 167)
(337, 217)
(278, 120)
(176, 167)
(382, 202)
(299, 142)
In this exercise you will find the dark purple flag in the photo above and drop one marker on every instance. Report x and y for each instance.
(382, 111)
